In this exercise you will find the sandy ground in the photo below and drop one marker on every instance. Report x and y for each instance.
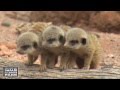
(109, 41)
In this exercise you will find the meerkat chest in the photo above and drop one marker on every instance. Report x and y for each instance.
(56, 51)
(35, 53)
(82, 52)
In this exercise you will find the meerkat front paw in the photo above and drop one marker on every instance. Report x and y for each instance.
(51, 63)
(63, 67)
(50, 66)
(28, 63)
(70, 65)
(85, 68)
(42, 68)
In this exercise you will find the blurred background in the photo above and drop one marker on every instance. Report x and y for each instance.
(106, 21)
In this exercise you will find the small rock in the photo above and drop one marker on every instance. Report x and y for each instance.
(111, 56)
(6, 24)
(112, 40)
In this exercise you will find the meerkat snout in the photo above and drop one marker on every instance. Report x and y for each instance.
(66, 45)
(18, 51)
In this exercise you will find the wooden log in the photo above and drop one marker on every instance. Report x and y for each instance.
(32, 72)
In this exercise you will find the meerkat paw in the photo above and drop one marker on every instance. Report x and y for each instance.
(70, 66)
(43, 68)
(28, 63)
(63, 67)
(50, 66)
(85, 68)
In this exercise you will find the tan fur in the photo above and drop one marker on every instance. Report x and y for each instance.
(87, 51)
(54, 48)
(48, 56)
(28, 43)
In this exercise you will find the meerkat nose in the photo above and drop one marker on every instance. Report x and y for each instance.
(66, 44)
(19, 52)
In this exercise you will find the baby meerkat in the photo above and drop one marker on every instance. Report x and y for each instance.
(28, 43)
(53, 41)
(33, 26)
(85, 46)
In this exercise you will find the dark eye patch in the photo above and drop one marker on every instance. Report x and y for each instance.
(35, 45)
(62, 39)
(83, 41)
(73, 42)
(25, 47)
(51, 40)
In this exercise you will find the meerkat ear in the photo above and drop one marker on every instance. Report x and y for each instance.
(35, 45)
(62, 39)
(83, 41)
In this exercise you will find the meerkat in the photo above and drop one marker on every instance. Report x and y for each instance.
(35, 27)
(29, 43)
(85, 47)
(53, 41)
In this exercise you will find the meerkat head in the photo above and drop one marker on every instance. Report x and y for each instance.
(76, 38)
(27, 43)
(53, 36)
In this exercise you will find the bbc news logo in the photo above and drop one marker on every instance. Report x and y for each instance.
(10, 71)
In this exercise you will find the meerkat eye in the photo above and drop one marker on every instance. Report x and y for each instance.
(35, 45)
(62, 39)
(83, 41)
(73, 42)
(25, 47)
(51, 40)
